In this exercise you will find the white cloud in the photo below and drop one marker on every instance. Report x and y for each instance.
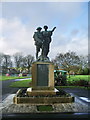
(16, 37)
(79, 45)
(62, 44)
(3, 44)
(18, 25)
(43, 13)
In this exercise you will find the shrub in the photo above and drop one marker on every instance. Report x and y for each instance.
(78, 83)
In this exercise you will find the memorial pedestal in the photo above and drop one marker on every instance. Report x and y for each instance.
(42, 79)
(42, 91)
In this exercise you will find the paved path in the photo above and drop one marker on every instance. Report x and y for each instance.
(6, 89)
(26, 112)
(79, 92)
(22, 79)
(82, 94)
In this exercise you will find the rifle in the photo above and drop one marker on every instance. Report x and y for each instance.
(53, 29)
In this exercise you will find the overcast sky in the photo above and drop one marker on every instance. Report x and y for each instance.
(19, 21)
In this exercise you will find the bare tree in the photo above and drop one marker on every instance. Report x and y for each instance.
(67, 60)
(18, 58)
(23, 62)
(27, 61)
(1, 58)
(6, 63)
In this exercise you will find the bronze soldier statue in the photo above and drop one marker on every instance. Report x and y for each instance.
(42, 41)
(46, 41)
(38, 40)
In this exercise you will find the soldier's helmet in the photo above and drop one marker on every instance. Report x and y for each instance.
(45, 27)
(39, 28)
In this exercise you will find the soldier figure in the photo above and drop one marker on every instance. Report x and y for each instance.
(42, 41)
(46, 41)
(38, 40)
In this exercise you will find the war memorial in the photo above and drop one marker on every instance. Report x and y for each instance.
(42, 91)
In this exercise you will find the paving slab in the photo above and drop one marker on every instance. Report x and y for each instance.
(7, 106)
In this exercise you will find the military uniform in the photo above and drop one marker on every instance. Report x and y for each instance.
(38, 40)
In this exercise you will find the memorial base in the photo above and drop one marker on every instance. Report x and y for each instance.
(21, 97)
(42, 90)
(35, 92)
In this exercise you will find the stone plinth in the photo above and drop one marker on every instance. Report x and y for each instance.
(42, 90)
(42, 79)
(37, 99)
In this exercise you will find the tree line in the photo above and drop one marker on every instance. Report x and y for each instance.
(68, 61)
(71, 62)
(15, 64)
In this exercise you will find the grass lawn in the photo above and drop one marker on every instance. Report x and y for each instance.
(26, 83)
(44, 108)
(82, 87)
(78, 77)
(23, 83)
(11, 77)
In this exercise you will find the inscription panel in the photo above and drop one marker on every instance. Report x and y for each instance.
(42, 74)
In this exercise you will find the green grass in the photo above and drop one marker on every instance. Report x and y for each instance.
(2, 78)
(78, 77)
(44, 108)
(82, 87)
(23, 83)
(26, 83)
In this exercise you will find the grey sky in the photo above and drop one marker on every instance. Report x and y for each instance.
(19, 21)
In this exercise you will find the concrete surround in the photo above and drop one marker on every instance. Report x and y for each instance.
(7, 106)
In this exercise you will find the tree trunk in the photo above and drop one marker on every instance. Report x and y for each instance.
(69, 74)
